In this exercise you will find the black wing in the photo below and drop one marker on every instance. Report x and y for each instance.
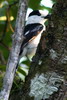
(30, 32)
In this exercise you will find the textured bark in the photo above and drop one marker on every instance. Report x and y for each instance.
(14, 54)
(47, 74)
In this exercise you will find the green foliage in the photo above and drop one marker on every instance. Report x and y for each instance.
(34, 4)
(7, 26)
(54, 1)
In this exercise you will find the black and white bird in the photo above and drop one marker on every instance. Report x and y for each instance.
(33, 30)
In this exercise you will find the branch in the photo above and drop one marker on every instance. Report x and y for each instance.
(14, 54)
(13, 4)
(4, 31)
(8, 19)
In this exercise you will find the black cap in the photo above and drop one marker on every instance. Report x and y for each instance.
(35, 12)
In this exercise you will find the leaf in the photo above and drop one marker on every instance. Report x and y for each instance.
(36, 5)
(21, 76)
(21, 71)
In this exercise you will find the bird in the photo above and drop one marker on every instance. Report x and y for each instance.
(33, 30)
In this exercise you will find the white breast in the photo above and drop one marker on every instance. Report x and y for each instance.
(34, 42)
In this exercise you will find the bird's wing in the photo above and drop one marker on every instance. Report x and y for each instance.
(30, 32)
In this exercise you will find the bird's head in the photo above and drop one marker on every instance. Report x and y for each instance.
(38, 16)
(40, 13)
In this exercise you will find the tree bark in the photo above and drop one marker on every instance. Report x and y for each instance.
(14, 54)
(47, 75)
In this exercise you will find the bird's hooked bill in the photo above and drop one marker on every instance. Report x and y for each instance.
(47, 16)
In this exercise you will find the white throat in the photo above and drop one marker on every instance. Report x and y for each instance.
(35, 19)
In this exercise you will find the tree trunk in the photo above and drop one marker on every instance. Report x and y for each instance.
(48, 70)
